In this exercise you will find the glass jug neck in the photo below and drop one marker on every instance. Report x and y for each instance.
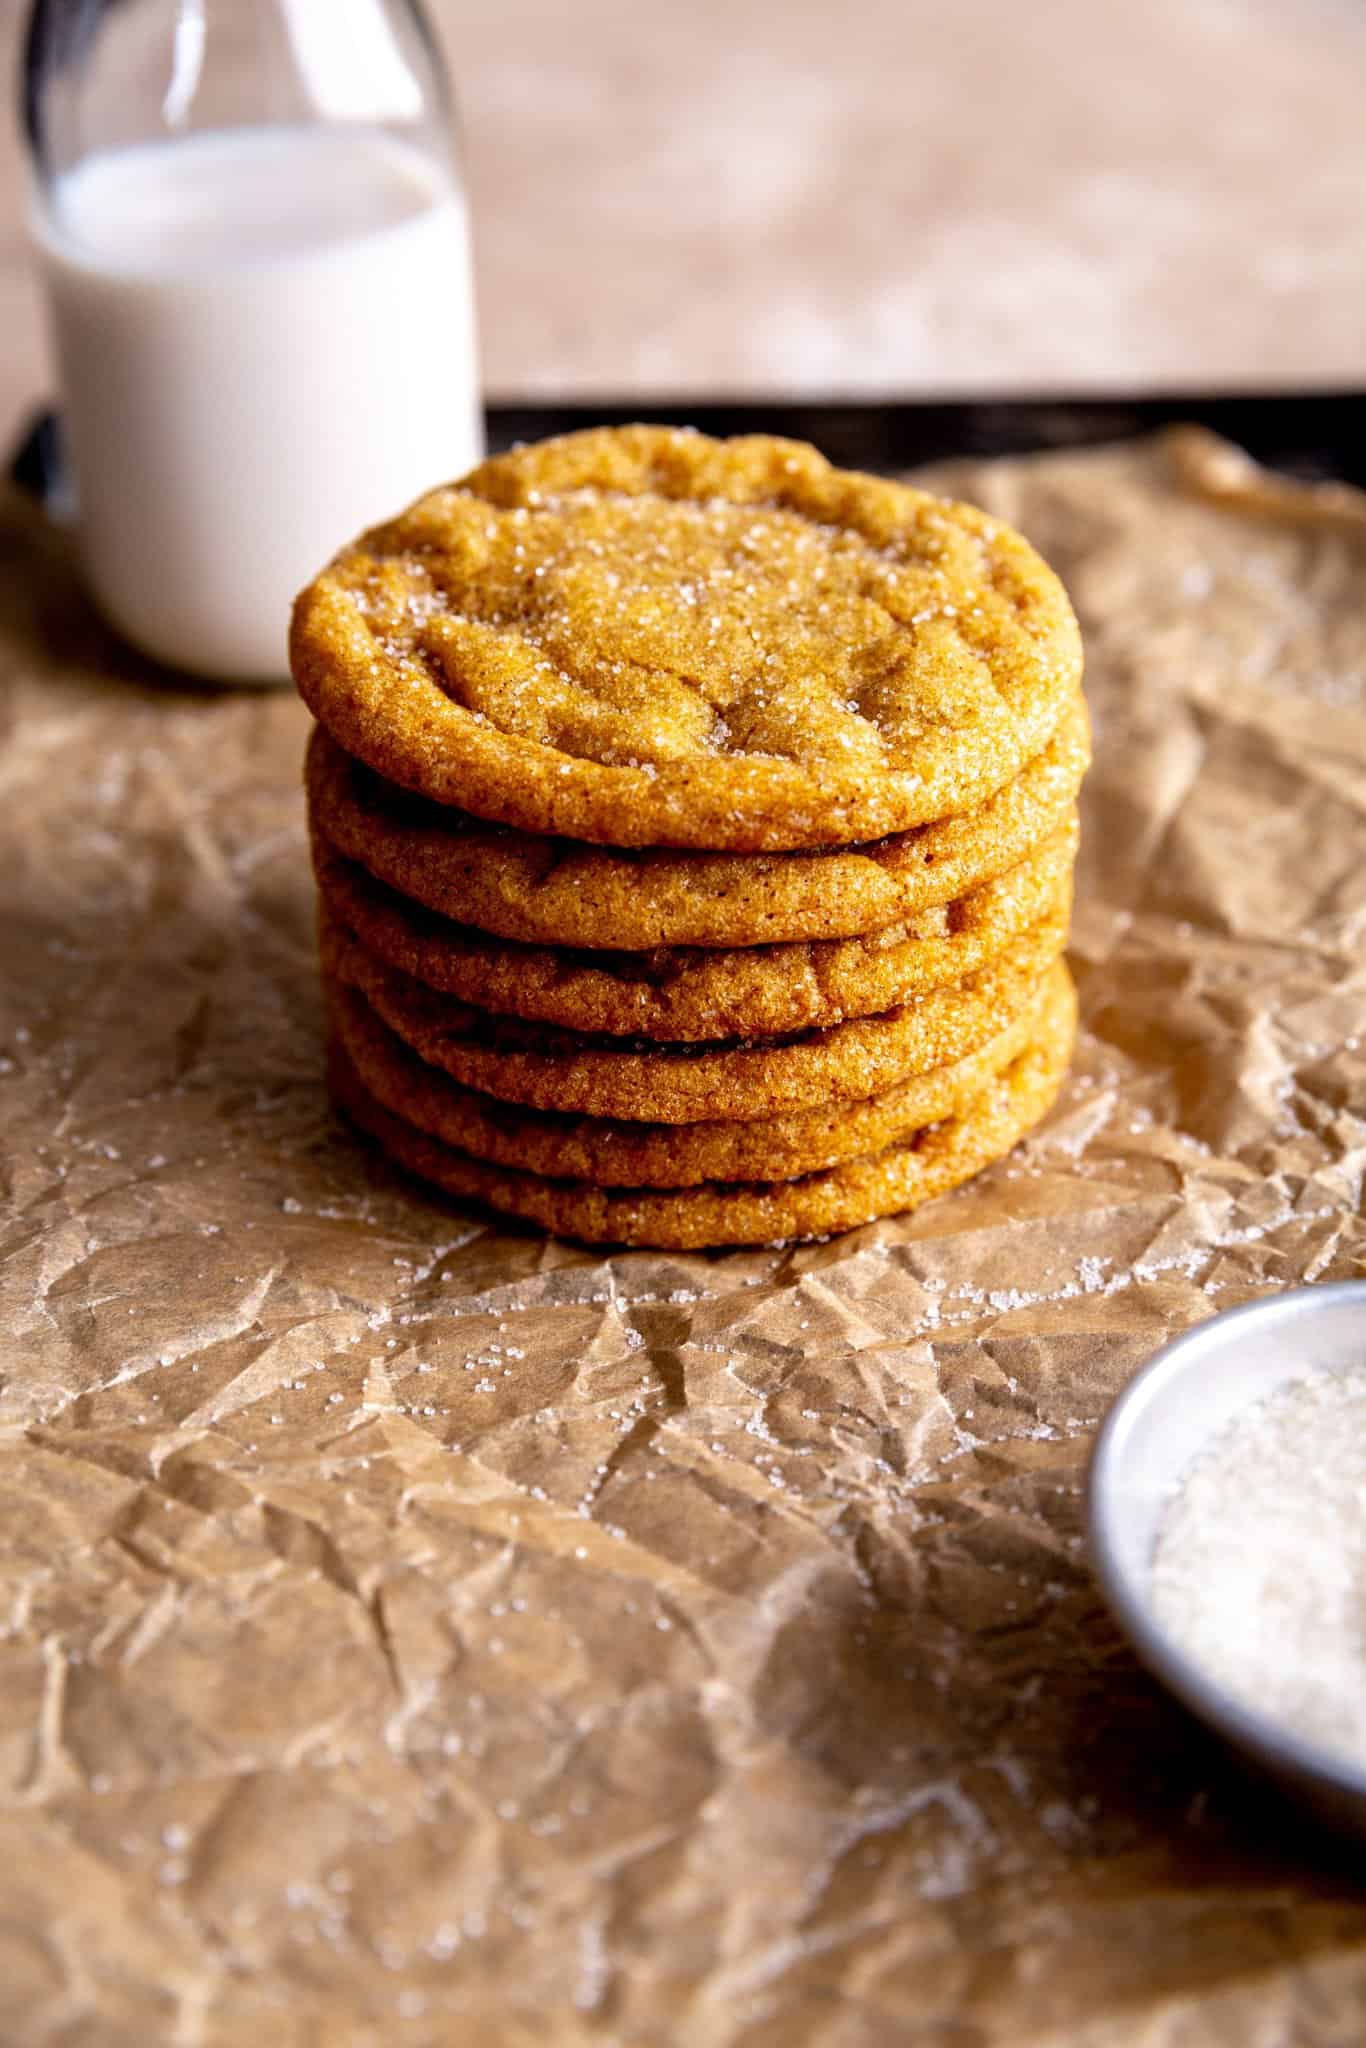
(107, 74)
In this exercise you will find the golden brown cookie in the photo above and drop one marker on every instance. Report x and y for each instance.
(545, 1068)
(559, 892)
(617, 1154)
(693, 993)
(903, 1177)
(640, 636)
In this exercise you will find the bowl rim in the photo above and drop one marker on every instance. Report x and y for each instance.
(1279, 1748)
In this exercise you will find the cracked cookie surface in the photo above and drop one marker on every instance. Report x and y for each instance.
(694, 993)
(543, 1067)
(641, 636)
(903, 1177)
(559, 892)
(614, 1153)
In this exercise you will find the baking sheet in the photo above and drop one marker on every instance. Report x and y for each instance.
(414, 1631)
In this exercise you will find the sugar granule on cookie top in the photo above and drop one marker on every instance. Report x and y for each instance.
(641, 636)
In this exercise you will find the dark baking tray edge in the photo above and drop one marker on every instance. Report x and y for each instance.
(1310, 434)
(1306, 433)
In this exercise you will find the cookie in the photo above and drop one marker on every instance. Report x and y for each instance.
(641, 636)
(690, 993)
(542, 1067)
(618, 1154)
(560, 893)
(903, 1177)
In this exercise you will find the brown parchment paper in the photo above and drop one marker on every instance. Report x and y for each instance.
(413, 1631)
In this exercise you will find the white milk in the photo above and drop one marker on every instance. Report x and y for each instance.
(265, 339)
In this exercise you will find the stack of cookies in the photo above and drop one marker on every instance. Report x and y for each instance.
(694, 827)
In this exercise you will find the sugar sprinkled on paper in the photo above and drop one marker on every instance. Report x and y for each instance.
(1259, 1571)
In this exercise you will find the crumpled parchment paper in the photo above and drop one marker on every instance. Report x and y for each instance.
(415, 1632)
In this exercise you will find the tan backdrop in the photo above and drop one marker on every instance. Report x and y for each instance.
(892, 195)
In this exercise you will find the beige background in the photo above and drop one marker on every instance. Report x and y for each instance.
(888, 196)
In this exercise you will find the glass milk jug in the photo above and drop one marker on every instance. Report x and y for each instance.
(253, 234)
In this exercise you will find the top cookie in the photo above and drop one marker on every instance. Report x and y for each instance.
(641, 636)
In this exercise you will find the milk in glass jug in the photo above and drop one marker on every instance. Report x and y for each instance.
(254, 237)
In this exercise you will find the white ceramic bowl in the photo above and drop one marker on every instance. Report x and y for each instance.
(1164, 1418)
